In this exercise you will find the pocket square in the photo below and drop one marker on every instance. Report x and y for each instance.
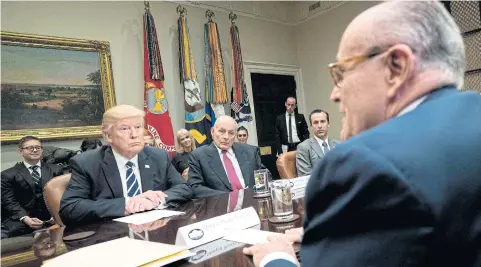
(147, 166)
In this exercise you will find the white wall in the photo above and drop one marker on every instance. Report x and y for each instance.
(317, 42)
(120, 23)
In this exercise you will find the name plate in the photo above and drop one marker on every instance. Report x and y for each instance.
(203, 232)
(212, 249)
(299, 185)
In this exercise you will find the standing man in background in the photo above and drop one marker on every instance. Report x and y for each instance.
(291, 128)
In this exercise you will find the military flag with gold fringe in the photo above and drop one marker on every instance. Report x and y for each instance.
(240, 108)
(215, 85)
(197, 122)
(157, 118)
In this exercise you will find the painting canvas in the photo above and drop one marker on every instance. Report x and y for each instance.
(52, 87)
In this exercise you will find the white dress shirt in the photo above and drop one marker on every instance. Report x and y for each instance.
(282, 255)
(320, 141)
(232, 157)
(295, 136)
(121, 161)
(240, 201)
(28, 165)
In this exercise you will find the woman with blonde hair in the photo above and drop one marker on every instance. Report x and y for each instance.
(185, 145)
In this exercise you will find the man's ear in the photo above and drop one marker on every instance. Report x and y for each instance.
(400, 64)
(108, 137)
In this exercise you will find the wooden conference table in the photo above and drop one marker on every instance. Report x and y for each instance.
(32, 251)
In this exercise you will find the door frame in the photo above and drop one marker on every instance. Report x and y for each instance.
(271, 68)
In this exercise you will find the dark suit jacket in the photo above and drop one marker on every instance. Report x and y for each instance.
(18, 190)
(405, 193)
(95, 189)
(282, 134)
(207, 176)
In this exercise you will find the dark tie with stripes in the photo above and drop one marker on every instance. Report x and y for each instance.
(133, 188)
(35, 174)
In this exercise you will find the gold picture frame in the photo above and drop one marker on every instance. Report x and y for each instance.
(54, 87)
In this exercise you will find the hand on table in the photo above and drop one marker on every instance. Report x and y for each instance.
(276, 243)
(294, 235)
(33, 223)
(145, 201)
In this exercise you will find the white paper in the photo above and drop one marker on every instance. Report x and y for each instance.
(149, 216)
(122, 252)
(250, 236)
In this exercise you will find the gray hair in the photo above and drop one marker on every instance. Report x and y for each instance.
(428, 28)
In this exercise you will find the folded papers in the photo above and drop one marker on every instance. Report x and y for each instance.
(122, 252)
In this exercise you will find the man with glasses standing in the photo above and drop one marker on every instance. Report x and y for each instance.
(23, 207)
(404, 189)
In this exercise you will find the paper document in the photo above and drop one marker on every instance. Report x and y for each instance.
(122, 252)
(250, 236)
(149, 216)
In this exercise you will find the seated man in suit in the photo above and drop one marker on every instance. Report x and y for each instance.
(291, 128)
(314, 148)
(405, 188)
(121, 178)
(223, 166)
(23, 207)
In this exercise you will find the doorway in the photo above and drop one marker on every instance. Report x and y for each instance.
(269, 92)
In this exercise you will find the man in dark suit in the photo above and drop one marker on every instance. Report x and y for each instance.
(316, 147)
(405, 189)
(223, 166)
(291, 128)
(119, 179)
(23, 207)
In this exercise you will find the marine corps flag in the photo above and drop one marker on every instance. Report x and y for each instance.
(197, 122)
(157, 118)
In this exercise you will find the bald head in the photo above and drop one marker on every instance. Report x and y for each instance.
(224, 132)
(389, 56)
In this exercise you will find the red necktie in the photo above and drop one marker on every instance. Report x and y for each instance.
(231, 174)
(233, 199)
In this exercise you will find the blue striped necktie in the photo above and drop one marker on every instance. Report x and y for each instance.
(133, 188)
(35, 174)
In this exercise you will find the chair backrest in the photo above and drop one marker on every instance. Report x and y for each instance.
(286, 165)
(52, 194)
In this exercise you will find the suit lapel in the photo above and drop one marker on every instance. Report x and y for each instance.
(315, 146)
(242, 160)
(111, 173)
(332, 143)
(217, 166)
(25, 173)
(45, 173)
(146, 173)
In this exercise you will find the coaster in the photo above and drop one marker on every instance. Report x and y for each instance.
(261, 195)
(292, 218)
(78, 236)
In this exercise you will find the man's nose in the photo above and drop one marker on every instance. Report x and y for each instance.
(335, 95)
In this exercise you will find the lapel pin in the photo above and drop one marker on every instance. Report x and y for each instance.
(147, 166)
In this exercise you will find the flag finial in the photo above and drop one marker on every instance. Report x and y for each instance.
(181, 10)
(209, 14)
(146, 5)
(232, 17)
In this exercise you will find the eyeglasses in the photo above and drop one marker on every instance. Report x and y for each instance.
(33, 148)
(337, 69)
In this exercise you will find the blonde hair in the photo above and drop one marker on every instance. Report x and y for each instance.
(180, 148)
(117, 113)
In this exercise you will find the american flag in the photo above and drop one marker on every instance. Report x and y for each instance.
(236, 107)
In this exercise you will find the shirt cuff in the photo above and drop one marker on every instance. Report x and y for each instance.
(21, 219)
(275, 256)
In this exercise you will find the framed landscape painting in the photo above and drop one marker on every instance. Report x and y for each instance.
(53, 87)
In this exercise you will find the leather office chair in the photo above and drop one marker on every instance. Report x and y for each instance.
(286, 165)
(52, 194)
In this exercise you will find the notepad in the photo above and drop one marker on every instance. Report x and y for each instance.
(122, 252)
(149, 216)
(250, 236)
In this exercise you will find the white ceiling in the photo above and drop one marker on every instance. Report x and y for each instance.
(285, 12)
